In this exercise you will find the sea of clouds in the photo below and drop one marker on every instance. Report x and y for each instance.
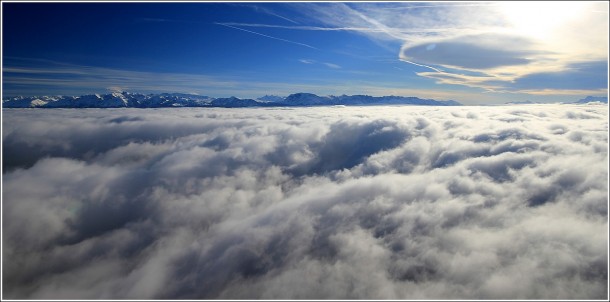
(403, 202)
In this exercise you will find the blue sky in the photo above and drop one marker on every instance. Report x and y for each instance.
(472, 52)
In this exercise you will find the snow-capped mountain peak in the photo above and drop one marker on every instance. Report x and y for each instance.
(136, 100)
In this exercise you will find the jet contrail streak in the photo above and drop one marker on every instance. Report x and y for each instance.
(253, 32)
(422, 65)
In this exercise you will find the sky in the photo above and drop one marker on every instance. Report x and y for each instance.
(471, 52)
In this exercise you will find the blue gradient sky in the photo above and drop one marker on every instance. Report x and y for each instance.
(469, 52)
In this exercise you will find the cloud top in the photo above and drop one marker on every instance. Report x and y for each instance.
(506, 202)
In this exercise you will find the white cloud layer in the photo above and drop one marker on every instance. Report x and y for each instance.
(318, 203)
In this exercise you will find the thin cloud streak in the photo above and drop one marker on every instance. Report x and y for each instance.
(422, 65)
(272, 13)
(560, 91)
(358, 29)
(276, 38)
(331, 65)
(264, 10)
(79, 80)
(90, 78)
(437, 6)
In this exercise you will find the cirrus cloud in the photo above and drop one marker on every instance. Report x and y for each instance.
(499, 42)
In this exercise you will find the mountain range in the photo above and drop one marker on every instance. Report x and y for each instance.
(137, 100)
(592, 99)
(588, 99)
(161, 100)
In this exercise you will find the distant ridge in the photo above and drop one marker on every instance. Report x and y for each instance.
(521, 103)
(164, 100)
(591, 99)
(586, 100)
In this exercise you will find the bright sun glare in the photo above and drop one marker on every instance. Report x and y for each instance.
(540, 18)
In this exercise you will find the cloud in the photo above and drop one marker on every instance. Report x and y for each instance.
(310, 61)
(116, 89)
(268, 11)
(505, 42)
(577, 79)
(267, 36)
(398, 202)
(50, 77)
(331, 65)
(377, 21)
(585, 75)
(45, 76)
(470, 52)
(300, 27)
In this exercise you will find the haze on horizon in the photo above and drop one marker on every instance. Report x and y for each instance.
(471, 52)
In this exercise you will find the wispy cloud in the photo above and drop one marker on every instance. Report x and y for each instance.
(64, 78)
(438, 5)
(327, 64)
(267, 36)
(304, 27)
(58, 78)
(474, 44)
(422, 65)
(270, 12)
(116, 89)
(331, 65)
(395, 31)
(556, 91)
(235, 26)
(377, 22)
(264, 10)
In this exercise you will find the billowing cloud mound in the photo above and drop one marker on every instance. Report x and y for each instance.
(363, 202)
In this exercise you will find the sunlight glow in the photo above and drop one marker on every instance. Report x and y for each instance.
(540, 18)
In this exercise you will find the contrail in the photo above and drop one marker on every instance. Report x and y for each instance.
(253, 32)
(282, 17)
(440, 5)
(422, 65)
(305, 27)
(318, 28)
(268, 11)
(264, 10)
